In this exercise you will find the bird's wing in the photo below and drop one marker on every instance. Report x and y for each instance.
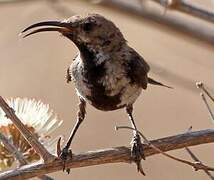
(138, 69)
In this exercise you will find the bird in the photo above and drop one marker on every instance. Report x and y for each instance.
(107, 72)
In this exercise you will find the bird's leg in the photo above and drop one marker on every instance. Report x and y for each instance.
(65, 153)
(136, 146)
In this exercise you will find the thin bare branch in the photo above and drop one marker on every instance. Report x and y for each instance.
(200, 85)
(112, 155)
(195, 158)
(31, 139)
(196, 165)
(194, 29)
(18, 155)
(188, 7)
(207, 105)
(12, 149)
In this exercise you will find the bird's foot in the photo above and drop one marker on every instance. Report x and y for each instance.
(137, 152)
(64, 155)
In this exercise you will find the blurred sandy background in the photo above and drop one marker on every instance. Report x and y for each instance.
(35, 68)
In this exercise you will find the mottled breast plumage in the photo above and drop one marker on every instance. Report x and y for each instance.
(106, 84)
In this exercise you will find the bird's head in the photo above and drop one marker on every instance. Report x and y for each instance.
(92, 30)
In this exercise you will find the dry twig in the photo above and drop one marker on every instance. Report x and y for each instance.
(193, 156)
(196, 159)
(207, 105)
(12, 149)
(113, 155)
(194, 29)
(18, 155)
(200, 85)
(189, 8)
(196, 165)
(184, 25)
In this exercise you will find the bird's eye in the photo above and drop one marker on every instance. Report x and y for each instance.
(87, 26)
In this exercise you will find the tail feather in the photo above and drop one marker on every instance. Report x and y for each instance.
(154, 82)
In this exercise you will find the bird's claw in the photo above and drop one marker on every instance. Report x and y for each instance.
(137, 152)
(64, 154)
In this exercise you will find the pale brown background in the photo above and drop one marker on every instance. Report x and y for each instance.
(35, 68)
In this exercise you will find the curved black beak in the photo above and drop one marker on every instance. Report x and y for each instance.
(58, 26)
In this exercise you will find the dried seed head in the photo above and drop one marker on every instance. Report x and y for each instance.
(38, 118)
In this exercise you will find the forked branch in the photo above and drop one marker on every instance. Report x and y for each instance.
(17, 154)
(112, 155)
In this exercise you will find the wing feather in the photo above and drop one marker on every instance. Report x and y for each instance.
(138, 69)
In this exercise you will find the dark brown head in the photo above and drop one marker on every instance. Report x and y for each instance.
(92, 30)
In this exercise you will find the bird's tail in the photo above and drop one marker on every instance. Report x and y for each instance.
(154, 82)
